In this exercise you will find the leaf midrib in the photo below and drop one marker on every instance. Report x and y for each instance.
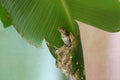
(64, 5)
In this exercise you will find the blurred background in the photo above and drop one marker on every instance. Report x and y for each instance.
(21, 61)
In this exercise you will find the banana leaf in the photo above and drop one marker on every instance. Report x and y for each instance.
(36, 20)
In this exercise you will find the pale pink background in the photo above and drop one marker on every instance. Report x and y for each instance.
(101, 53)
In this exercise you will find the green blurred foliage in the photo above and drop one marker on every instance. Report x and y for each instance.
(22, 61)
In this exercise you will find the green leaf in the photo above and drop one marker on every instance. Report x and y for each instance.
(103, 14)
(39, 19)
(4, 17)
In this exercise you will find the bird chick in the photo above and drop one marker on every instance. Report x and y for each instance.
(65, 37)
